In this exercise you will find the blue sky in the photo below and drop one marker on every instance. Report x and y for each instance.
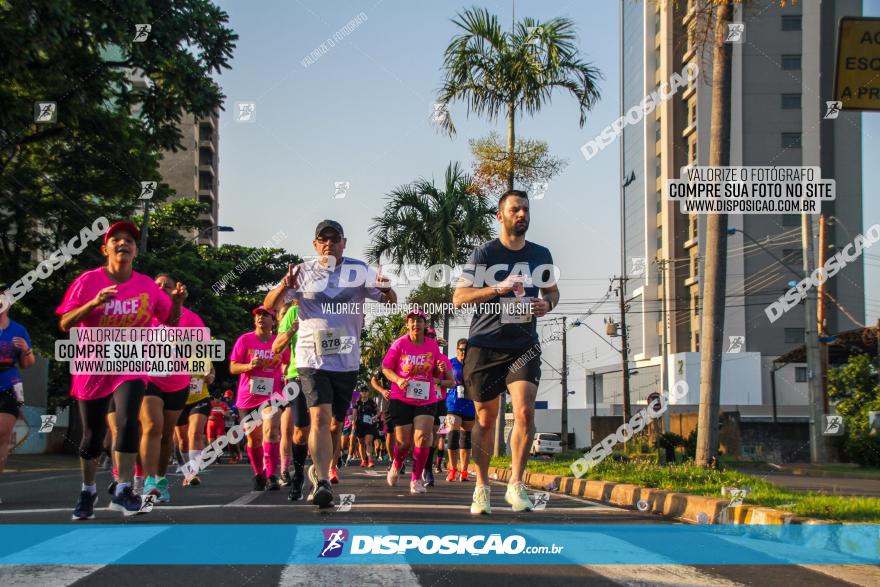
(361, 113)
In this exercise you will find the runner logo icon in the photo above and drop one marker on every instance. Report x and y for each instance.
(334, 541)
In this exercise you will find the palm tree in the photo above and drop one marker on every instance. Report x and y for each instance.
(496, 72)
(427, 225)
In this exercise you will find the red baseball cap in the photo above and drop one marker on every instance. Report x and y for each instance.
(417, 312)
(259, 309)
(123, 225)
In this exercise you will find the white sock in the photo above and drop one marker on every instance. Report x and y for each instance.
(194, 455)
(93, 488)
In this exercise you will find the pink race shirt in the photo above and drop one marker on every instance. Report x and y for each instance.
(178, 381)
(266, 379)
(138, 302)
(416, 362)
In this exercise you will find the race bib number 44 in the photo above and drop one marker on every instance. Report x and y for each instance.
(261, 385)
(420, 390)
(516, 310)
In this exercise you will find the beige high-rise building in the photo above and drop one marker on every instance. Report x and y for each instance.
(193, 171)
(782, 74)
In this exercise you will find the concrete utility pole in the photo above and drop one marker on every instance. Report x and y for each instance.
(624, 350)
(811, 341)
(564, 386)
(664, 376)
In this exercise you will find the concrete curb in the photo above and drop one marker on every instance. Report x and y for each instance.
(695, 509)
(769, 523)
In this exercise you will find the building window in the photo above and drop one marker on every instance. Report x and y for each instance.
(692, 150)
(658, 168)
(800, 374)
(794, 336)
(657, 130)
(659, 201)
(696, 342)
(791, 62)
(791, 101)
(791, 22)
(791, 140)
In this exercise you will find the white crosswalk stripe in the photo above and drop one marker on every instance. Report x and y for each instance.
(71, 546)
(360, 575)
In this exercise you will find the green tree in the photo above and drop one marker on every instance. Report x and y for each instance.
(427, 225)
(499, 73)
(59, 176)
(856, 392)
(532, 163)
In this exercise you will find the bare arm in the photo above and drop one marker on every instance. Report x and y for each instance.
(375, 384)
(236, 368)
(283, 339)
(391, 376)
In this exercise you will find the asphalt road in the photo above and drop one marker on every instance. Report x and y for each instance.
(47, 496)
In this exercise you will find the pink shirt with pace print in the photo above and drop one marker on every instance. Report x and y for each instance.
(415, 362)
(178, 381)
(138, 302)
(246, 347)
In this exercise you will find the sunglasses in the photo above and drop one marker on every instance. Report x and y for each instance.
(333, 239)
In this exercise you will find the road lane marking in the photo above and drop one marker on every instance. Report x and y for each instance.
(40, 479)
(244, 499)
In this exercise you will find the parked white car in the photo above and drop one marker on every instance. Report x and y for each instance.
(546, 444)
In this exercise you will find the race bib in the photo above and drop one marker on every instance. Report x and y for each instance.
(195, 386)
(420, 390)
(516, 310)
(459, 392)
(261, 385)
(329, 342)
(368, 419)
(18, 389)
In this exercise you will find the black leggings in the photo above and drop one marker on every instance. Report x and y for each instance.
(93, 415)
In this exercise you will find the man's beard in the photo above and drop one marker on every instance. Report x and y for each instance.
(515, 230)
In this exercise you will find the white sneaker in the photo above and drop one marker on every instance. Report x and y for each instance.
(393, 474)
(518, 497)
(481, 503)
(417, 486)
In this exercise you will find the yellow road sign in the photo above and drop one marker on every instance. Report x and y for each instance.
(857, 75)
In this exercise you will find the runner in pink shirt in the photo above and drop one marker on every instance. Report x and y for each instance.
(411, 367)
(114, 296)
(261, 376)
(164, 400)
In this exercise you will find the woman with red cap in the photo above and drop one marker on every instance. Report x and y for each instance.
(261, 376)
(411, 367)
(114, 296)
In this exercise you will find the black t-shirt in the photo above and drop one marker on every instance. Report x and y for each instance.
(366, 408)
(535, 263)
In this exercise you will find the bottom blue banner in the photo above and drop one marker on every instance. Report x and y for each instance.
(601, 544)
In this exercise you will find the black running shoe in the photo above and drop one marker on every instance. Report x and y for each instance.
(128, 502)
(429, 478)
(272, 484)
(323, 496)
(85, 506)
(296, 488)
(111, 489)
(260, 482)
(285, 478)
